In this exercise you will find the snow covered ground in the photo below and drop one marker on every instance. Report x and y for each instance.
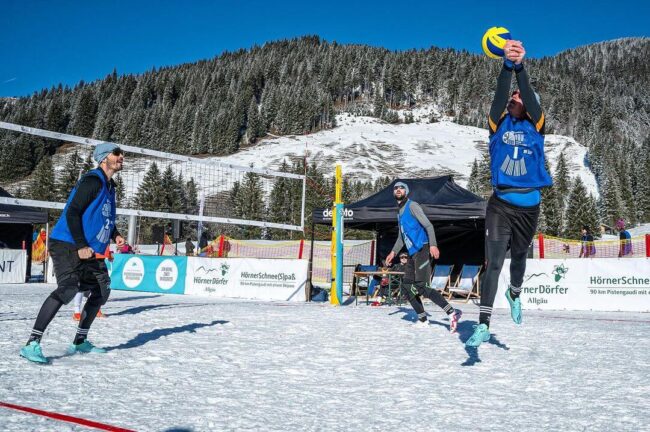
(199, 364)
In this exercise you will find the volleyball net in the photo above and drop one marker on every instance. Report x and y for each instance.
(159, 187)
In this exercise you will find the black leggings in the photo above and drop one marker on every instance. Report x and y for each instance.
(506, 226)
(73, 275)
(417, 282)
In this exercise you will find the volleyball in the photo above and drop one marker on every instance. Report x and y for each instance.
(494, 40)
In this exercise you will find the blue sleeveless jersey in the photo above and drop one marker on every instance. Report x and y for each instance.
(517, 155)
(413, 233)
(97, 220)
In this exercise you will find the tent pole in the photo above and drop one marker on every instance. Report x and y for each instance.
(311, 263)
(46, 262)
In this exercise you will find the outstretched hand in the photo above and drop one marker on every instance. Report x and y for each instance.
(389, 258)
(514, 51)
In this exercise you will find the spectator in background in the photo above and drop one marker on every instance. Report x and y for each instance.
(625, 238)
(125, 249)
(189, 247)
(588, 248)
(204, 240)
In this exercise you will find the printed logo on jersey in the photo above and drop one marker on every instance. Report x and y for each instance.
(514, 138)
(106, 209)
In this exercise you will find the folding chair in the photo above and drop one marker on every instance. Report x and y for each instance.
(467, 284)
(368, 284)
(441, 278)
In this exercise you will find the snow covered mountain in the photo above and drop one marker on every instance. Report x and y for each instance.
(369, 148)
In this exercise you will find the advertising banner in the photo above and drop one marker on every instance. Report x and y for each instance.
(13, 265)
(605, 284)
(156, 274)
(251, 278)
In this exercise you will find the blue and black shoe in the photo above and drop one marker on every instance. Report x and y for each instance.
(33, 353)
(481, 334)
(515, 307)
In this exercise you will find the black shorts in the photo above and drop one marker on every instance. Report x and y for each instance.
(510, 223)
(418, 267)
(74, 274)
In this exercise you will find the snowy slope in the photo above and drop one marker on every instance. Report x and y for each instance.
(369, 148)
(205, 364)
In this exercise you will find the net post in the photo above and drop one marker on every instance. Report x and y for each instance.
(221, 242)
(301, 248)
(541, 245)
(336, 288)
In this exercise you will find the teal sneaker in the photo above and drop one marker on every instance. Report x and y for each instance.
(33, 353)
(481, 334)
(515, 307)
(85, 347)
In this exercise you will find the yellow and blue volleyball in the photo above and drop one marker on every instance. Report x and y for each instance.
(494, 40)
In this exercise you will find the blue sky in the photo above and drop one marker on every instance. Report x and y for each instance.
(44, 43)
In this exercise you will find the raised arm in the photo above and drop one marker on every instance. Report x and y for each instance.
(501, 97)
(533, 108)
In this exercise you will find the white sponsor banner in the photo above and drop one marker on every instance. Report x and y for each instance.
(251, 278)
(13, 265)
(599, 284)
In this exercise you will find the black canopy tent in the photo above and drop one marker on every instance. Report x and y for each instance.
(17, 225)
(458, 217)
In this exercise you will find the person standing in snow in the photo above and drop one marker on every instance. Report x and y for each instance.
(516, 124)
(85, 227)
(417, 234)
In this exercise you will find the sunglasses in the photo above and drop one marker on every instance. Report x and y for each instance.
(117, 152)
(398, 187)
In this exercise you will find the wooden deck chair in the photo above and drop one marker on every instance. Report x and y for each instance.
(441, 278)
(467, 285)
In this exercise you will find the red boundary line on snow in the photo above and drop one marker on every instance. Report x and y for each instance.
(65, 418)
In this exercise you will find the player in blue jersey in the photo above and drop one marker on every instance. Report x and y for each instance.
(416, 234)
(86, 226)
(516, 123)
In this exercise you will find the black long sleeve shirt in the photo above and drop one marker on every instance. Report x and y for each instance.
(502, 96)
(87, 190)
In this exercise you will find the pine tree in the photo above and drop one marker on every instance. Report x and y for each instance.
(254, 126)
(171, 196)
(551, 212)
(561, 184)
(250, 204)
(472, 183)
(581, 210)
(89, 164)
(120, 191)
(84, 114)
(281, 203)
(16, 157)
(150, 194)
(611, 206)
(69, 176)
(42, 186)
